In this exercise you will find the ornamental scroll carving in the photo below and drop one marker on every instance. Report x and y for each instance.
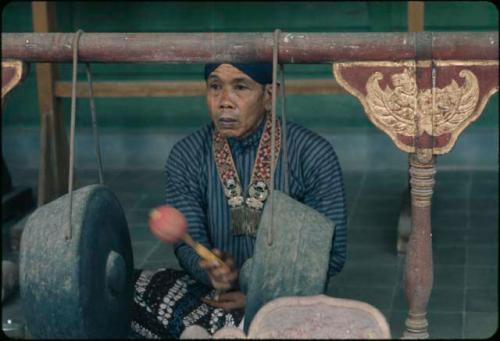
(396, 108)
(419, 104)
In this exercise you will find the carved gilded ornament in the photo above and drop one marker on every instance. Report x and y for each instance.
(396, 108)
(420, 113)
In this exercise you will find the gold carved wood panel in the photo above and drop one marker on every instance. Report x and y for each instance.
(421, 104)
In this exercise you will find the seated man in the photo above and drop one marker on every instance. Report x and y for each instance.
(212, 177)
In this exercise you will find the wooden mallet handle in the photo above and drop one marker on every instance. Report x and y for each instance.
(201, 250)
(206, 254)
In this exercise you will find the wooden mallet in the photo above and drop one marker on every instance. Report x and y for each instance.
(169, 225)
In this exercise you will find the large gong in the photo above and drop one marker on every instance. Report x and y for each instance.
(81, 287)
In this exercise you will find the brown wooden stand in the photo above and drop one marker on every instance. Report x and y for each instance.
(423, 106)
(419, 267)
(54, 152)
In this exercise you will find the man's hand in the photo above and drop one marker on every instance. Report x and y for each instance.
(228, 301)
(221, 277)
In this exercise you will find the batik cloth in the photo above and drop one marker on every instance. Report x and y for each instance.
(167, 301)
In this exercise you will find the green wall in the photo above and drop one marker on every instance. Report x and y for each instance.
(318, 112)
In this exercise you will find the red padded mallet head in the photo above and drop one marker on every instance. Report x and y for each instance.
(168, 224)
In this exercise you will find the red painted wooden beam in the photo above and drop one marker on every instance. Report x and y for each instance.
(294, 48)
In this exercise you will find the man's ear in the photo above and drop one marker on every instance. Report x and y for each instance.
(268, 95)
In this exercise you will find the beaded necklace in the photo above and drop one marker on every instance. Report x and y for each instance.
(246, 213)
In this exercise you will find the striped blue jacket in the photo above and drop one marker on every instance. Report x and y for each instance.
(193, 187)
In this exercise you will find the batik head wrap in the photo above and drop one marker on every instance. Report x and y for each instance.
(260, 72)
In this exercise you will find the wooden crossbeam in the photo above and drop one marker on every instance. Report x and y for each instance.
(250, 47)
(183, 88)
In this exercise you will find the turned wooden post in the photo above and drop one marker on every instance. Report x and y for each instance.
(419, 264)
(423, 106)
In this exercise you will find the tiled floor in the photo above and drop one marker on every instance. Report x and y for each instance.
(464, 300)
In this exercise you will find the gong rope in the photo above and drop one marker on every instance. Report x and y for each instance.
(75, 44)
(283, 127)
(273, 134)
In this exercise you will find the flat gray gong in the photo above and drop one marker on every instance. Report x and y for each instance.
(296, 263)
(81, 287)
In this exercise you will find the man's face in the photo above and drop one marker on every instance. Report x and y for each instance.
(235, 101)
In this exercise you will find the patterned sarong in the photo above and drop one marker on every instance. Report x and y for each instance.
(166, 301)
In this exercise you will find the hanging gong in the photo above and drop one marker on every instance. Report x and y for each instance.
(81, 287)
(296, 263)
